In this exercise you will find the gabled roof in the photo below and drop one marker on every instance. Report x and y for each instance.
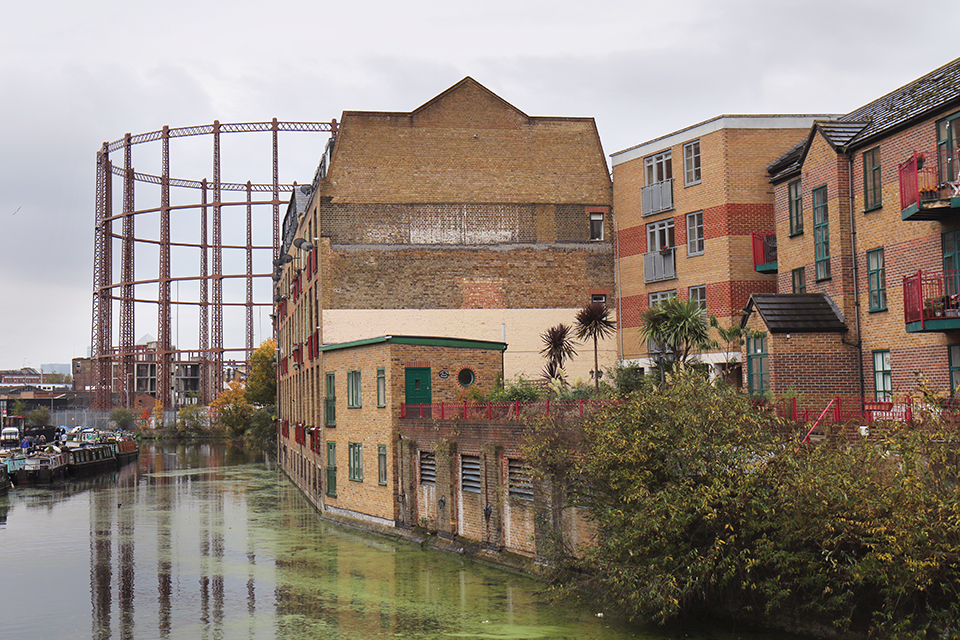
(466, 145)
(796, 313)
(899, 108)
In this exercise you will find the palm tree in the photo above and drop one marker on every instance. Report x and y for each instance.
(593, 321)
(677, 326)
(557, 349)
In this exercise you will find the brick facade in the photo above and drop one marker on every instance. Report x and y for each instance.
(735, 199)
(909, 245)
(484, 513)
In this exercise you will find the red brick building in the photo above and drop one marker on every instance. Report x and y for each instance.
(866, 221)
(687, 207)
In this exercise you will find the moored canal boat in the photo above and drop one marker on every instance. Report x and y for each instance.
(91, 458)
(4, 480)
(42, 466)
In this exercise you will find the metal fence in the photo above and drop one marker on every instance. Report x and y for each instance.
(99, 419)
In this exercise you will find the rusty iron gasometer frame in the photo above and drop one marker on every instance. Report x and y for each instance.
(113, 365)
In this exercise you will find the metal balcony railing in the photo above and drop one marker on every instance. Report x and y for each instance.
(660, 265)
(656, 197)
(931, 296)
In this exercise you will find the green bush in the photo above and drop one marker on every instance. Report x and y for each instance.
(704, 503)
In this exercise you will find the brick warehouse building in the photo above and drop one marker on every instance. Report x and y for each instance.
(692, 235)
(463, 218)
(868, 259)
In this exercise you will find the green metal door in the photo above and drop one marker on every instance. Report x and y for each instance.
(417, 390)
(332, 469)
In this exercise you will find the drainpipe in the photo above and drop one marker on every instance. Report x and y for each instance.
(616, 242)
(856, 273)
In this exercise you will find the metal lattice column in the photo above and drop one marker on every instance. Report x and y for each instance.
(127, 275)
(217, 329)
(163, 311)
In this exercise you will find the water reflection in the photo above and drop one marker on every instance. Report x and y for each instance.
(208, 542)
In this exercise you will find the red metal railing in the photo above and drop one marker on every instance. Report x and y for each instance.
(500, 410)
(921, 180)
(849, 409)
(931, 296)
(764, 250)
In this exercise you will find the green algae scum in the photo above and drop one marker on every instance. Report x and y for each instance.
(200, 541)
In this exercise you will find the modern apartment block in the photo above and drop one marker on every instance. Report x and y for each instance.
(868, 237)
(688, 208)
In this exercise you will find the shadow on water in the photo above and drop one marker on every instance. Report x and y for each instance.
(208, 541)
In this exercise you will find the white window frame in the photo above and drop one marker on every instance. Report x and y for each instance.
(699, 293)
(660, 235)
(695, 235)
(659, 167)
(692, 170)
(596, 230)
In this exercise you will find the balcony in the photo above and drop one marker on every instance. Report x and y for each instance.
(765, 252)
(929, 192)
(656, 197)
(660, 265)
(931, 301)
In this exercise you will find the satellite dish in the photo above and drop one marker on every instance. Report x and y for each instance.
(286, 258)
(297, 242)
(306, 246)
(306, 189)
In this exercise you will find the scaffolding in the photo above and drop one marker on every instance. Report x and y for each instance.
(114, 354)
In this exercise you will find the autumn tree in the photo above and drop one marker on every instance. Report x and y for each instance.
(232, 410)
(261, 387)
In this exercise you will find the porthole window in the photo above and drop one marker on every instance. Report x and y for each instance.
(466, 377)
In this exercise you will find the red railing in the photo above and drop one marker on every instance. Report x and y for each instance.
(764, 248)
(931, 296)
(500, 410)
(848, 409)
(921, 180)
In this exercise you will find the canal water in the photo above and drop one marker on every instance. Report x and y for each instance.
(205, 542)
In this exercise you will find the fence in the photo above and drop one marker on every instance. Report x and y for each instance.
(99, 419)
(500, 410)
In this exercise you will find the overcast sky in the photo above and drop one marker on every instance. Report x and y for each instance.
(76, 74)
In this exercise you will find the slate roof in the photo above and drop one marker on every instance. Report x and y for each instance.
(796, 312)
(900, 107)
(911, 101)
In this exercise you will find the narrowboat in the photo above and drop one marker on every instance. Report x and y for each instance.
(42, 466)
(90, 458)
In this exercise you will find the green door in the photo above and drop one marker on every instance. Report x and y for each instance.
(332, 469)
(417, 395)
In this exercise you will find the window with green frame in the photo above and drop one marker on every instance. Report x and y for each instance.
(877, 280)
(796, 208)
(882, 375)
(330, 401)
(799, 277)
(353, 390)
(355, 461)
(954, 350)
(872, 193)
(381, 387)
(758, 373)
(332, 469)
(382, 464)
(821, 233)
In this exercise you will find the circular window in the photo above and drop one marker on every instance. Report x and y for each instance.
(466, 377)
